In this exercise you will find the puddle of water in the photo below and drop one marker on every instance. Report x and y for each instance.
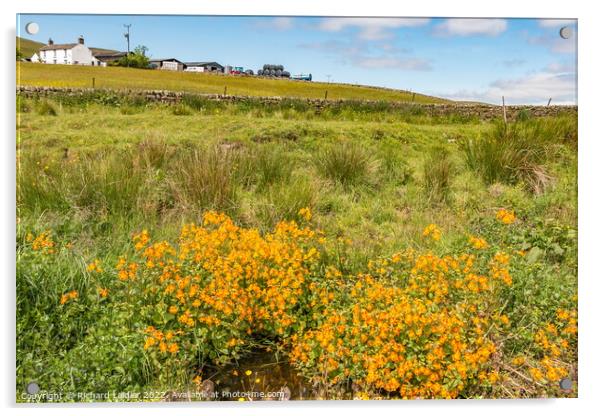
(261, 375)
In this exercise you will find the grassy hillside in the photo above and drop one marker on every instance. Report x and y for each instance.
(27, 46)
(120, 78)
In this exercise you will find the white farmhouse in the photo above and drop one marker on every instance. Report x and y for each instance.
(67, 54)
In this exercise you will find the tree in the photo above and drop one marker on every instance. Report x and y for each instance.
(136, 59)
(19, 55)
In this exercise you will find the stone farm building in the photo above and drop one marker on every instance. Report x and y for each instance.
(75, 54)
(80, 54)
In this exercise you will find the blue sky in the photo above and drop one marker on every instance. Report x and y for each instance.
(525, 60)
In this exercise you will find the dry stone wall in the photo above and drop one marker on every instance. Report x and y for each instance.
(481, 111)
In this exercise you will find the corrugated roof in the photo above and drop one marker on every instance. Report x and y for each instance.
(110, 56)
(102, 51)
(166, 59)
(202, 63)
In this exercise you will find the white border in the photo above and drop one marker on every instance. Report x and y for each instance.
(590, 174)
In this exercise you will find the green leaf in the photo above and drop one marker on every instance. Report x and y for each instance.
(534, 254)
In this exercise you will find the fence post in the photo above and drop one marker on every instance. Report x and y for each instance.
(93, 83)
(549, 101)
(326, 94)
(504, 109)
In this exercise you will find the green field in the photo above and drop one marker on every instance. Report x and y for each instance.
(28, 47)
(92, 174)
(128, 78)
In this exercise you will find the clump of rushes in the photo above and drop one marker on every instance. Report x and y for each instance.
(181, 110)
(203, 178)
(345, 163)
(437, 170)
(46, 108)
(512, 153)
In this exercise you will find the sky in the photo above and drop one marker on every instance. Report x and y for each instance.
(524, 60)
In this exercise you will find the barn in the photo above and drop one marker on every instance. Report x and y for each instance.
(168, 64)
(203, 67)
(104, 57)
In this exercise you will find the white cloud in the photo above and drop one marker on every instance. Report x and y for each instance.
(555, 43)
(370, 55)
(512, 63)
(370, 28)
(277, 23)
(410, 64)
(556, 23)
(471, 27)
(535, 88)
(560, 67)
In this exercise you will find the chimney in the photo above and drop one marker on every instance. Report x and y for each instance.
(50, 41)
(80, 40)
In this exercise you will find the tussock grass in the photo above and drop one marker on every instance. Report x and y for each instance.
(437, 170)
(346, 163)
(263, 166)
(204, 179)
(46, 108)
(512, 153)
(181, 110)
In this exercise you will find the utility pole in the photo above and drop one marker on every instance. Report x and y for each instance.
(127, 36)
(328, 77)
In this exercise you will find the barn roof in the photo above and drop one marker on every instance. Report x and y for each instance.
(166, 59)
(104, 52)
(108, 57)
(202, 63)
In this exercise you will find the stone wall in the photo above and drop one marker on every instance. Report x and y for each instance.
(481, 111)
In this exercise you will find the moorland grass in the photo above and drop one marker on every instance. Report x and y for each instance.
(93, 175)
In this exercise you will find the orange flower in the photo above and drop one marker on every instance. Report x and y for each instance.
(505, 216)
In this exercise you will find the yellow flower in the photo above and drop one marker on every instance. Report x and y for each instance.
(432, 231)
(95, 266)
(505, 216)
(518, 360)
(69, 296)
(248, 372)
(305, 213)
(536, 374)
(43, 243)
(477, 243)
